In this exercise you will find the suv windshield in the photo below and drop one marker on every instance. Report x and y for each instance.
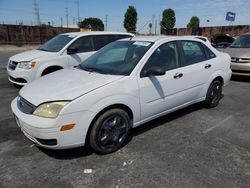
(241, 42)
(117, 58)
(56, 44)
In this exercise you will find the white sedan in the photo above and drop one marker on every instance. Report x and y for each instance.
(125, 84)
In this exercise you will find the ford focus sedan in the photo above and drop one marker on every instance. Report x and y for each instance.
(123, 85)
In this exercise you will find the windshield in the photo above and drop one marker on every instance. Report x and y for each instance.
(241, 42)
(56, 44)
(117, 58)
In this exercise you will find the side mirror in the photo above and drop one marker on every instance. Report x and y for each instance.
(154, 71)
(71, 51)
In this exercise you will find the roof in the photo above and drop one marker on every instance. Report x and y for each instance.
(96, 33)
(162, 37)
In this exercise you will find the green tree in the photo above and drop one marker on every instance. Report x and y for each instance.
(168, 19)
(130, 19)
(95, 24)
(194, 23)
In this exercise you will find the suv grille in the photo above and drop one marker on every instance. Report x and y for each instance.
(240, 60)
(12, 65)
(25, 106)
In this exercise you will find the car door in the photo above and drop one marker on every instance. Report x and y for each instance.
(180, 85)
(160, 93)
(80, 50)
(196, 68)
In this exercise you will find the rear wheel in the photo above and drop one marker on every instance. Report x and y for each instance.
(214, 94)
(110, 131)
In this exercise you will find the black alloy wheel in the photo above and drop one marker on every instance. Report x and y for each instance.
(214, 94)
(110, 131)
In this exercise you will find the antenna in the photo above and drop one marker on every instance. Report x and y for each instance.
(37, 13)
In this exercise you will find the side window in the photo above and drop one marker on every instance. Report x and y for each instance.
(101, 40)
(193, 52)
(209, 52)
(83, 44)
(165, 57)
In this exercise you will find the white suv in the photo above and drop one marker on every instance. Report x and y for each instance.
(123, 85)
(63, 51)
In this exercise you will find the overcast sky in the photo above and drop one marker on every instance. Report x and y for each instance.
(12, 11)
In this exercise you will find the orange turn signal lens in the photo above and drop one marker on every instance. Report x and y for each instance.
(67, 127)
(33, 63)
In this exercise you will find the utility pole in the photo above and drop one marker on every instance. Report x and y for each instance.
(78, 14)
(106, 22)
(155, 27)
(37, 13)
(153, 22)
(61, 21)
(67, 17)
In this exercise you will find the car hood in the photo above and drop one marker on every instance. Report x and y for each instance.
(30, 55)
(238, 52)
(65, 85)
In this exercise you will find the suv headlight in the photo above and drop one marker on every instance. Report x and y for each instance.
(50, 109)
(27, 64)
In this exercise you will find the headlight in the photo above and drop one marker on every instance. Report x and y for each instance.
(27, 64)
(50, 110)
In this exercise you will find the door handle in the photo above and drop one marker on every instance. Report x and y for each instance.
(207, 66)
(178, 75)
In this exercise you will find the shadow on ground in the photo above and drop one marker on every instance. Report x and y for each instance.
(240, 78)
(68, 154)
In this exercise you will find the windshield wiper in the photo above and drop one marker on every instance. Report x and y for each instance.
(91, 69)
(42, 49)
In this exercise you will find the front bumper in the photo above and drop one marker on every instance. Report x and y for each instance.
(241, 69)
(20, 76)
(46, 132)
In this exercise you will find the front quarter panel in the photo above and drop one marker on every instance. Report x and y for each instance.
(42, 64)
(124, 91)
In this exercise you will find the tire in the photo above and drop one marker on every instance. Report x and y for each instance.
(18, 86)
(214, 94)
(110, 131)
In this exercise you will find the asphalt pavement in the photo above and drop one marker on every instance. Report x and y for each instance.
(193, 147)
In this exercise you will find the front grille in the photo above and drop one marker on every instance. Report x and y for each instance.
(25, 106)
(12, 65)
(240, 60)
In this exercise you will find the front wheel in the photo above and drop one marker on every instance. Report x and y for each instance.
(214, 94)
(18, 86)
(110, 131)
